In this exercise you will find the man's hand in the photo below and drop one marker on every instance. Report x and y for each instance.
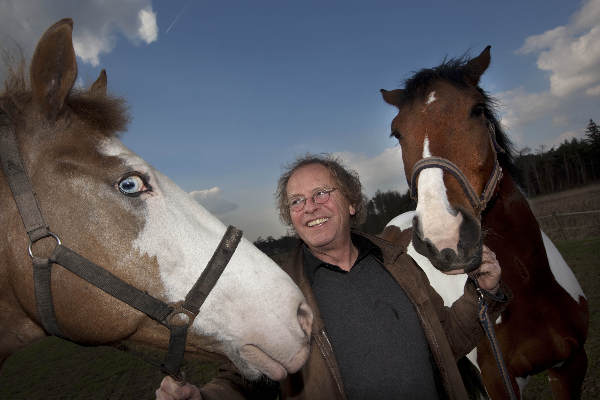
(170, 389)
(488, 274)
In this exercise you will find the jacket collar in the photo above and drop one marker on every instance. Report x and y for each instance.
(389, 252)
(364, 246)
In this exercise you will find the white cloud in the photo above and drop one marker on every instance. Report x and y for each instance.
(588, 16)
(594, 91)
(570, 53)
(212, 199)
(565, 136)
(96, 23)
(519, 107)
(88, 47)
(382, 172)
(560, 120)
(148, 29)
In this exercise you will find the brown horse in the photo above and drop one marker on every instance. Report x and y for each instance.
(454, 149)
(110, 206)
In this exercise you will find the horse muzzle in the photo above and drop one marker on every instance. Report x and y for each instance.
(469, 247)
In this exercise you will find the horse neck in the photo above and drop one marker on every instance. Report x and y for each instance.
(512, 231)
(509, 208)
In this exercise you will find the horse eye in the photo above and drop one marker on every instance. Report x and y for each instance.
(478, 110)
(133, 185)
(396, 134)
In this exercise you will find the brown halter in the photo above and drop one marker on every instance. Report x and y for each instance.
(36, 228)
(479, 203)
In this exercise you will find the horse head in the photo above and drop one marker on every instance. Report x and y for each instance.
(112, 207)
(445, 127)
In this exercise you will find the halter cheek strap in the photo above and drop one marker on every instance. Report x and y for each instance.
(178, 317)
(478, 203)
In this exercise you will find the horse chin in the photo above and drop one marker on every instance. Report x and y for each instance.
(256, 363)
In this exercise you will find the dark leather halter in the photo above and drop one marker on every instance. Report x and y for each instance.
(177, 317)
(478, 203)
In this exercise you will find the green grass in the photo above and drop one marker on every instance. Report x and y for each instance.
(56, 369)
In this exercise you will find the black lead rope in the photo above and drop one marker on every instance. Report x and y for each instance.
(488, 328)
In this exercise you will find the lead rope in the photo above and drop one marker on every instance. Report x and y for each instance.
(488, 327)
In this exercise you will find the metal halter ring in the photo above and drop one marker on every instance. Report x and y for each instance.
(58, 242)
(180, 315)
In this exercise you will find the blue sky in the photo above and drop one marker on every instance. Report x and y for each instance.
(223, 94)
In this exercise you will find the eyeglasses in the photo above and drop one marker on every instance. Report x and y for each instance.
(319, 196)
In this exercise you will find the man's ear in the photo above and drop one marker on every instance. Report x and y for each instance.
(351, 209)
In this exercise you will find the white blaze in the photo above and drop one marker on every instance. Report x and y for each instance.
(431, 98)
(439, 222)
(254, 301)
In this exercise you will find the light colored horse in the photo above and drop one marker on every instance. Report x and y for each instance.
(110, 206)
(453, 150)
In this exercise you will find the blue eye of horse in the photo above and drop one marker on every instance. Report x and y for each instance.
(132, 185)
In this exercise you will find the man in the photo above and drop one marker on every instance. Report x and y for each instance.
(380, 331)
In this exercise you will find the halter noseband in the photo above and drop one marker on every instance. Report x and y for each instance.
(177, 317)
(478, 203)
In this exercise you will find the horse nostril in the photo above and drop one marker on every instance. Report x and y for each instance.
(305, 318)
(447, 255)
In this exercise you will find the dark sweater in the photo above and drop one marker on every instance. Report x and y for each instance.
(375, 332)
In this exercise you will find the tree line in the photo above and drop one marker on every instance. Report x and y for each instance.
(573, 163)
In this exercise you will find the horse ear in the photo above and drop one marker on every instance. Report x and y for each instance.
(98, 88)
(393, 97)
(477, 66)
(53, 68)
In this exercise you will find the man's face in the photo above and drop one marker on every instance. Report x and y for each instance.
(320, 226)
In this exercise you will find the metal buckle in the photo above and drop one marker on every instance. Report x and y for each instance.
(49, 234)
(180, 316)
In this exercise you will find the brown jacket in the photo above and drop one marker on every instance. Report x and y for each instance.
(451, 333)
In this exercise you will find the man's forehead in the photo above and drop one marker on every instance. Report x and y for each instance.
(310, 177)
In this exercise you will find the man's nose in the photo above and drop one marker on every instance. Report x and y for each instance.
(310, 205)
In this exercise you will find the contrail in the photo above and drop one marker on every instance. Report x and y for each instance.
(177, 16)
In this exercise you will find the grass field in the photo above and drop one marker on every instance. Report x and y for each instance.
(56, 369)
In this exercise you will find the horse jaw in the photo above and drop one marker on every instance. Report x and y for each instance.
(254, 303)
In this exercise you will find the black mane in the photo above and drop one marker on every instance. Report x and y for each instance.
(454, 71)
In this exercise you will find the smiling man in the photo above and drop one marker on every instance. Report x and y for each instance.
(380, 331)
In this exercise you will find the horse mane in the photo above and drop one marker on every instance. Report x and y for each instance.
(107, 114)
(454, 71)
